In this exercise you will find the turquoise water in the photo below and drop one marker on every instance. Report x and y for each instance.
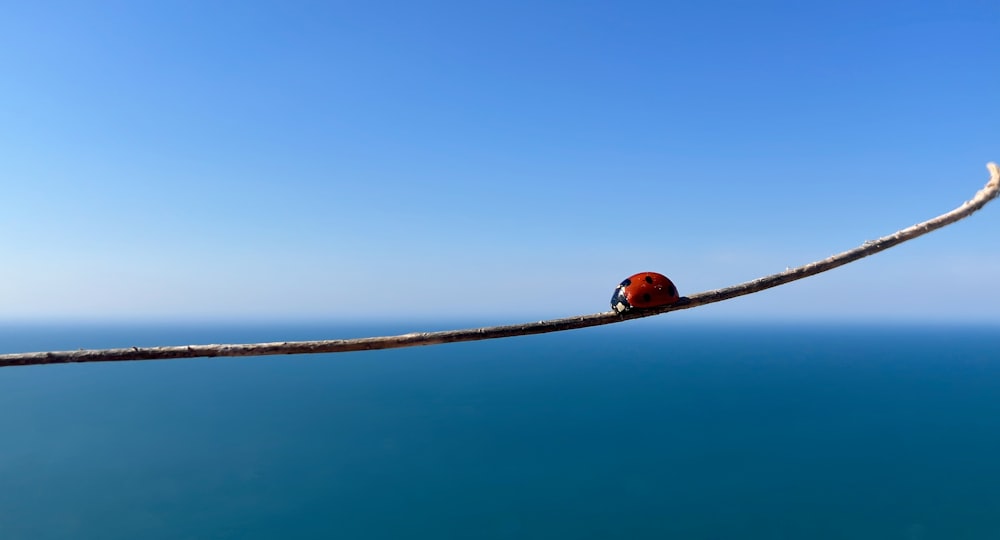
(650, 429)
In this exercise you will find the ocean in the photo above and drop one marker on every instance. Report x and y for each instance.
(649, 429)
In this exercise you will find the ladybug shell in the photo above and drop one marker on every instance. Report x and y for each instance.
(644, 290)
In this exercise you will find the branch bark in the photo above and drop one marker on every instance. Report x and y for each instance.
(985, 195)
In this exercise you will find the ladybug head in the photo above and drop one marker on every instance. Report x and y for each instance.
(619, 300)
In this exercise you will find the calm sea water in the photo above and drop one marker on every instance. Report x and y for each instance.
(651, 429)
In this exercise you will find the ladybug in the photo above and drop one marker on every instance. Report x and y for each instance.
(644, 290)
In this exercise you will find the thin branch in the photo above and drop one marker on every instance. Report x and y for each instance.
(474, 334)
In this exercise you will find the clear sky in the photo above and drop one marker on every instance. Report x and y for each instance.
(491, 160)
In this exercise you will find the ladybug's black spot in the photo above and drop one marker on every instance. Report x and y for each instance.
(673, 290)
(649, 279)
(626, 283)
(646, 297)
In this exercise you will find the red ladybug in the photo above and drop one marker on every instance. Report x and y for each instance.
(644, 290)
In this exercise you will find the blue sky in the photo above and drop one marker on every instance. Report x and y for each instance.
(493, 161)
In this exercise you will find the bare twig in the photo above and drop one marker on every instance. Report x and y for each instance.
(474, 334)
